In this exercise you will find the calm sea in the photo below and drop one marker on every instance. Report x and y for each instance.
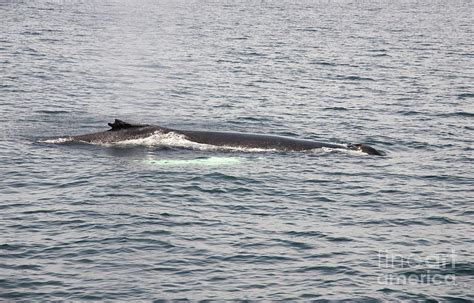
(155, 220)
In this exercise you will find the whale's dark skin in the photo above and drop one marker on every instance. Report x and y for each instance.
(125, 131)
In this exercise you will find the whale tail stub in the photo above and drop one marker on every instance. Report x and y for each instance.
(365, 149)
(119, 124)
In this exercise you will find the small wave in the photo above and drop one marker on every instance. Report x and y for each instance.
(355, 78)
(309, 29)
(410, 112)
(381, 55)
(456, 114)
(30, 33)
(336, 108)
(326, 269)
(51, 111)
(466, 95)
(318, 62)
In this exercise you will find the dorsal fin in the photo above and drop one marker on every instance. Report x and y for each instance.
(119, 124)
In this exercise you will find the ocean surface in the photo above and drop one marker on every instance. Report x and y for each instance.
(162, 218)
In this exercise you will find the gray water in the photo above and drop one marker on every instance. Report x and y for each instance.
(154, 220)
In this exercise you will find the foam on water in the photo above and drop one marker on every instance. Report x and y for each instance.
(211, 161)
(179, 140)
(56, 141)
(156, 139)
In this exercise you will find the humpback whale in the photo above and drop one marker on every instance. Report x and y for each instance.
(121, 131)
